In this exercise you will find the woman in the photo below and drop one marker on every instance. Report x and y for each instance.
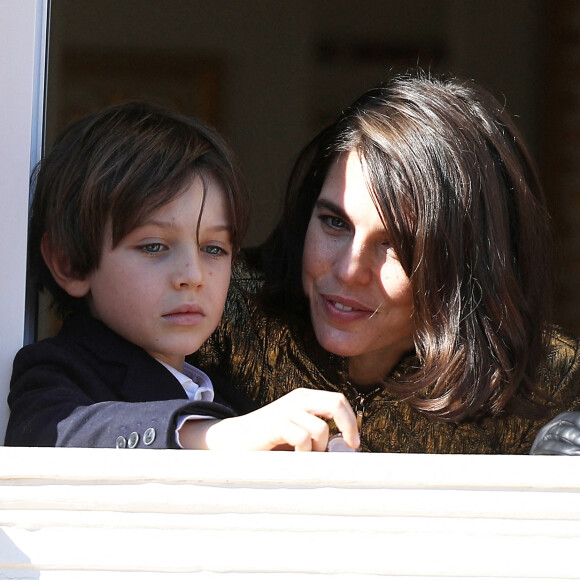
(409, 271)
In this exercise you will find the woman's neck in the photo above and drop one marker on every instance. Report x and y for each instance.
(366, 370)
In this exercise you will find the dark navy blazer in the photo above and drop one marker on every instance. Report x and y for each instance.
(89, 387)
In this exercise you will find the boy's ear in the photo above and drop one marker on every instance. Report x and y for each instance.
(59, 267)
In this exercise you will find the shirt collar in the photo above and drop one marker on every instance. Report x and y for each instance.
(196, 384)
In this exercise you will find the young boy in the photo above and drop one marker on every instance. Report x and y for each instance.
(137, 214)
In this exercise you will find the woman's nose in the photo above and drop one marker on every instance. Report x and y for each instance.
(353, 265)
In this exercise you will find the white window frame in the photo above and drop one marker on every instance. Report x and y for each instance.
(23, 49)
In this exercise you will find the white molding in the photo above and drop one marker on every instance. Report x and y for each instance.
(23, 30)
(80, 512)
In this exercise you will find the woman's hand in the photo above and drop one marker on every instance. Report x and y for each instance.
(295, 421)
(561, 436)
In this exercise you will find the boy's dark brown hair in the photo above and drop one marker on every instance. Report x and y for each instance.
(121, 164)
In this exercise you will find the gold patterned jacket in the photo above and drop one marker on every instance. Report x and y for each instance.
(266, 357)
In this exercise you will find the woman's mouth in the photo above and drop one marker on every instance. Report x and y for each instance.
(343, 307)
(343, 310)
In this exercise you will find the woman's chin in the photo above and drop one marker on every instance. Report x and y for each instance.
(337, 347)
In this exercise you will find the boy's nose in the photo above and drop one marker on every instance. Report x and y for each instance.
(188, 272)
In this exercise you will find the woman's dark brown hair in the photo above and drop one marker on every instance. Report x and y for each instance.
(457, 191)
(121, 164)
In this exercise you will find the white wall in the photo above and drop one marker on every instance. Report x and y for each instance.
(22, 34)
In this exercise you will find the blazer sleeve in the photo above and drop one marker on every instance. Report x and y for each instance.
(132, 425)
(55, 400)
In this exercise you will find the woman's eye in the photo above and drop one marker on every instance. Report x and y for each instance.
(333, 222)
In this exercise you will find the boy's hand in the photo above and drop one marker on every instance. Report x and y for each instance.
(291, 422)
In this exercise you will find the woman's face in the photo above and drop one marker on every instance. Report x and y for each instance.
(360, 297)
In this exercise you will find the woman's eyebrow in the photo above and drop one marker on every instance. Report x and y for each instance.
(331, 206)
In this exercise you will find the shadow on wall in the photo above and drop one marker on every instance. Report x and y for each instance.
(14, 563)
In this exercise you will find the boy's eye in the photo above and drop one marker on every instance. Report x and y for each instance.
(153, 248)
(214, 250)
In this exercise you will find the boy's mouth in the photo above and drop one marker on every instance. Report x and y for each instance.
(186, 315)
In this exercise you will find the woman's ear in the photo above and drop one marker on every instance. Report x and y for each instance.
(59, 266)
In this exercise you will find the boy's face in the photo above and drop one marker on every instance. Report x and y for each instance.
(164, 286)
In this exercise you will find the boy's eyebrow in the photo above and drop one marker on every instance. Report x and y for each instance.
(220, 228)
(163, 224)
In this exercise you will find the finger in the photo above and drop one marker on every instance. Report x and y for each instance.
(316, 428)
(345, 420)
(330, 406)
(335, 406)
(295, 436)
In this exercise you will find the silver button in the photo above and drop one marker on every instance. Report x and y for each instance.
(133, 440)
(121, 442)
(149, 436)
